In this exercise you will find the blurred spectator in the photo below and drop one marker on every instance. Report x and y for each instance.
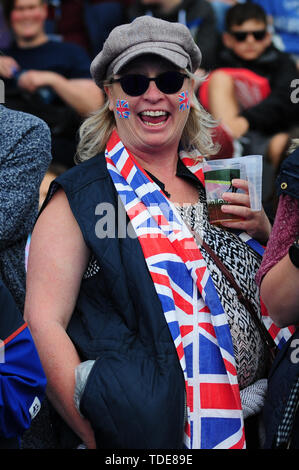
(284, 16)
(278, 278)
(220, 8)
(198, 15)
(5, 36)
(251, 93)
(24, 158)
(47, 78)
(84, 22)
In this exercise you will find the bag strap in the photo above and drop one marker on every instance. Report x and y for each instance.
(244, 300)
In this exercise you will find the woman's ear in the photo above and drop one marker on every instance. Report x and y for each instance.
(109, 94)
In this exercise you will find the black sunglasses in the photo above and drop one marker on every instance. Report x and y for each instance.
(242, 35)
(137, 84)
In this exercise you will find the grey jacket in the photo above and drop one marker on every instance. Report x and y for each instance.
(25, 153)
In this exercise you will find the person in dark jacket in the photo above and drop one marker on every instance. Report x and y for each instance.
(47, 78)
(278, 278)
(137, 328)
(250, 89)
(22, 379)
(197, 15)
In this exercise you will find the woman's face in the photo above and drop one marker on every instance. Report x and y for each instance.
(154, 120)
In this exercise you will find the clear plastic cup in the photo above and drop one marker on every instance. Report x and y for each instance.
(218, 176)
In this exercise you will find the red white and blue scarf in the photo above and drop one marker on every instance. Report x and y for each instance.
(192, 308)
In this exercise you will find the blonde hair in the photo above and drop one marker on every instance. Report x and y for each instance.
(96, 130)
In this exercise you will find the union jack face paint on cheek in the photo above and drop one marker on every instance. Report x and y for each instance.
(122, 109)
(184, 101)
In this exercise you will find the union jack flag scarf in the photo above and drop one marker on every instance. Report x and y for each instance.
(192, 308)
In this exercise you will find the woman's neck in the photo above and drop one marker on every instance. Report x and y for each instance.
(161, 164)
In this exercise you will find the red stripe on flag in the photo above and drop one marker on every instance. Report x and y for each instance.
(200, 272)
(218, 396)
(182, 303)
(185, 329)
(190, 162)
(151, 248)
(208, 327)
(187, 429)
(125, 171)
(240, 443)
(189, 396)
(180, 351)
(161, 220)
(113, 141)
(186, 249)
(274, 330)
(229, 367)
(160, 279)
(205, 309)
(199, 174)
(135, 210)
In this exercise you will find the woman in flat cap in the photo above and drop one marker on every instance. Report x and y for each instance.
(143, 339)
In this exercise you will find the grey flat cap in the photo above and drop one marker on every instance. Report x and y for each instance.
(145, 35)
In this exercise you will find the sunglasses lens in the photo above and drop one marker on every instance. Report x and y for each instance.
(134, 85)
(170, 82)
(242, 35)
(259, 35)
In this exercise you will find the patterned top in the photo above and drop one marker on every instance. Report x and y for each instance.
(249, 348)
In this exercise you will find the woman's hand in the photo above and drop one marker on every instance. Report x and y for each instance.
(255, 223)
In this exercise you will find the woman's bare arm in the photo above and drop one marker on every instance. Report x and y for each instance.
(57, 260)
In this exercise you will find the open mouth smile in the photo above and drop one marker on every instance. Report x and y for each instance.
(154, 118)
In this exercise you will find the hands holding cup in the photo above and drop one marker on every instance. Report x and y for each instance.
(233, 189)
(255, 223)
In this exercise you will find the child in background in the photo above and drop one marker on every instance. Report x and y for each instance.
(250, 90)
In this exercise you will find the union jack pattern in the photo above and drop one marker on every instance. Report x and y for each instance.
(184, 101)
(191, 306)
(122, 109)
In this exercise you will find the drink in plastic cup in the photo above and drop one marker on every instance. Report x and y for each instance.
(218, 181)
(218, 176)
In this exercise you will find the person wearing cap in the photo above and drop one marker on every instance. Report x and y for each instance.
(144, 342)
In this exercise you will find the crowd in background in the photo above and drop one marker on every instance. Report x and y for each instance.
(80, 29)
(252, 93)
